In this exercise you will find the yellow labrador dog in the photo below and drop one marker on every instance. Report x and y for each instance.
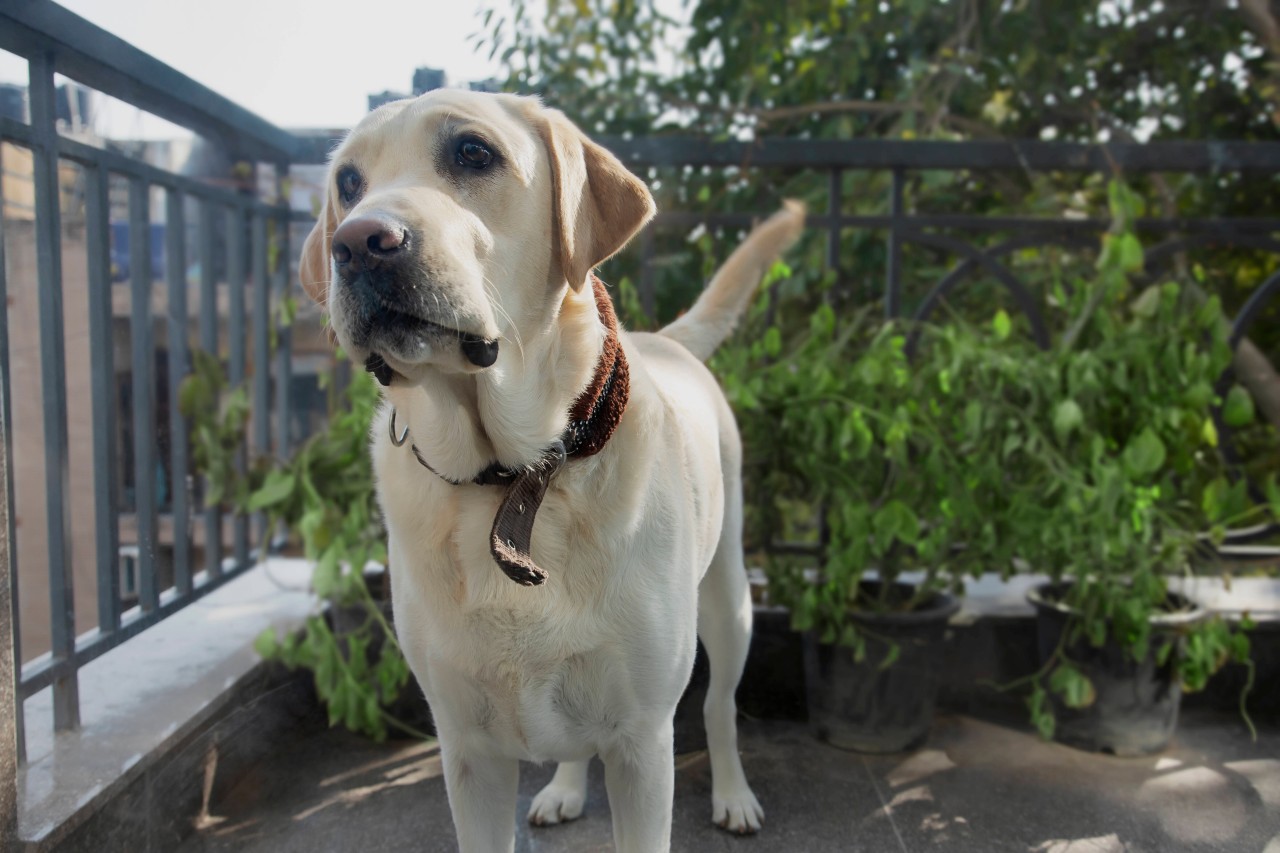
(563, 498)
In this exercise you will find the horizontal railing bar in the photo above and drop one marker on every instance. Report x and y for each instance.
(115, 162)
(106, 62)
(40, 672)
(887, 154)
(1225, 226)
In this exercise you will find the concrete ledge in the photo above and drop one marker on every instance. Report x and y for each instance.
(158, 695)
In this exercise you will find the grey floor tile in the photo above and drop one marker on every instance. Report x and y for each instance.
(974, 788)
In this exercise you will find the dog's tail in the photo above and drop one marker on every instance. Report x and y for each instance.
(711, 319)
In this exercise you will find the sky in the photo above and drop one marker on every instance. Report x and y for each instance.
(296, 63)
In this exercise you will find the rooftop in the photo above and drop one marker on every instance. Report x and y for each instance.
(975, 786)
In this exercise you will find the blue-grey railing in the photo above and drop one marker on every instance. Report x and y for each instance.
(56, 41)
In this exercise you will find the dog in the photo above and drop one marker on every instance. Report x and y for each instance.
(562, 498)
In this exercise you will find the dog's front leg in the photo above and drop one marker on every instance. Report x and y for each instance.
(639, 774)
(482, 797)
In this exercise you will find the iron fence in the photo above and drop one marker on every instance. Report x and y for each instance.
(979, 244)
(54, 41)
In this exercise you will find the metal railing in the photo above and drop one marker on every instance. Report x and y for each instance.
(979, 244)
(54, 41)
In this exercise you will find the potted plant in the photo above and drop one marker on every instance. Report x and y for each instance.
(1115, 484)
(323, 493)
(844, 427)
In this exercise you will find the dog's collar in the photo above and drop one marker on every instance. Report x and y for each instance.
(593, 418)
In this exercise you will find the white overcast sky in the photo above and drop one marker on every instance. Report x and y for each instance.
(296, 63)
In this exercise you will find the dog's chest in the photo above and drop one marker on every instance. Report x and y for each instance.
(548, 682)
(548, 672)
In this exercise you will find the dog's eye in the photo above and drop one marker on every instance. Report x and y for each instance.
(473, 154)
(350, 184)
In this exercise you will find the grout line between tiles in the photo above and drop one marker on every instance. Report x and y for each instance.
(884, 804)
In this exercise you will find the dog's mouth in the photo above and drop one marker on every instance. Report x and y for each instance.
(477, 350)
(387, 328)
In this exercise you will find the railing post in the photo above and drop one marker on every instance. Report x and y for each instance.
(209, 343)
(8, 554)
(106, 465)
(236, 283)
(648, 296)
(143, 382)
(10, 701)
(835, 207)
(893, 269)
(284, 340)
(260, 312)
(175, 224)
(53, 380)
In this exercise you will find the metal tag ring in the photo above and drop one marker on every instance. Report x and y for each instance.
(391, 430)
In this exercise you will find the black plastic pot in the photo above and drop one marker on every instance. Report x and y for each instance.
(1136, 707)
(861, 706)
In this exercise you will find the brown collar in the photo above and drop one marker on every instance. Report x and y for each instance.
(593, 418)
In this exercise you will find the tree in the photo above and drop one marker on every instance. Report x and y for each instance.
(1079, 70)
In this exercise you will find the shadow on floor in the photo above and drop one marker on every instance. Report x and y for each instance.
(975, 786)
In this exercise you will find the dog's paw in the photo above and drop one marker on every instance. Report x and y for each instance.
(736, 810)
(556, 804)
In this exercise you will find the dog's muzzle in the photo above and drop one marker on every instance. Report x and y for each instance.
(375, 256)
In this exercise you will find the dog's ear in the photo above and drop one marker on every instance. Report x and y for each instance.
(597, 204)
(313, 264)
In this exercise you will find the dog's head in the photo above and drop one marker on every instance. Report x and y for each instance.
(455, 221)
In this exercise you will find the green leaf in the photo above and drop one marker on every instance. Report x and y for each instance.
(1001, 325)
(1067, 417)
(266, 645)
(1209, 432)
(1071, 684)
(1237, 411)
(1130, 252)
(275, 489)
(1146, 453)
(195, 397)
(327, 575)
(1041, 712)
(772, 342)
(1148, 302)
(896, 520)
(1271, 488)
(1199, 395)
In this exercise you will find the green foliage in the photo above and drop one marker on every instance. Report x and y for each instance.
(847, 434)
(929, 68)
(324, 494)
(1115, 480)
(1075, 70)
(1094, 461)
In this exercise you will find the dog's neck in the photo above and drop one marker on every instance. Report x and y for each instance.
(572, 373)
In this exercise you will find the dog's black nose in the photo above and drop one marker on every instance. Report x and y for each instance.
(368, 241)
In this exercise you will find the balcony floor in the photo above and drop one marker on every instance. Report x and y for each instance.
(975, 786)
